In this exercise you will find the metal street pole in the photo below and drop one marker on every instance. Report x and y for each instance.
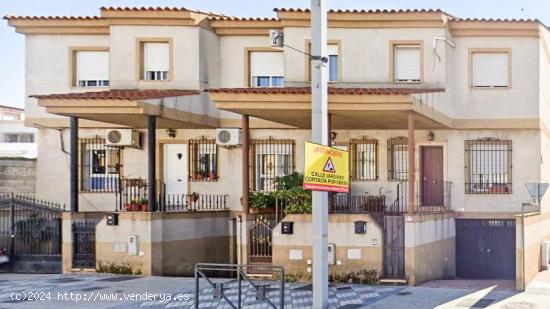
(319, 134)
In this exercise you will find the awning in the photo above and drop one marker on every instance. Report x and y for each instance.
(351, 108)
(174, 108)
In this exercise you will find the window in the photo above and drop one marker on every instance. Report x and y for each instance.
(333, 75)
(11, 116)
(398, 159)
(406, 63)
(203, 160)
(100, 166)
(364, 159)
(92, 68)
(488, 166)
(267, 69)
(270, 159)
(490, 69)
(18, 138)
(155, 60)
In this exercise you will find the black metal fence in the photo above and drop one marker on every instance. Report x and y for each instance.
(29, 226)
(344, 203)
(132, 196)
(84, 243)
(432, 197)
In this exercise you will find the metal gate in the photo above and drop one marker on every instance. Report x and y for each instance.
(30, 231)
(394, 247)
(260, 242)
(485, 249)
(84, 243)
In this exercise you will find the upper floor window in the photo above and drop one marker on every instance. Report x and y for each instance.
(488, 166)
(203, 160)
(267, 69)
(333, 67)
(490, 69)
(18, 138)
(407, 63)
(92, 68)
(10, 116)
(398, 159)
(155, 61)
(364, 159)
(269, 159)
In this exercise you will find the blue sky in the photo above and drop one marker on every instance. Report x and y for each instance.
(12, 88)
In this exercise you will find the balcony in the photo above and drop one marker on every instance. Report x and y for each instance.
(132, 196)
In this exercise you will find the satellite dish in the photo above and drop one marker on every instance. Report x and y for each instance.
(536, 190)
(277, 38)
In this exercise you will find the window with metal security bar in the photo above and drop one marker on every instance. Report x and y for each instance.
(203, 160)
(398, 159)
(100, 167)
(488, 166)
(270, 158)
(364, 159)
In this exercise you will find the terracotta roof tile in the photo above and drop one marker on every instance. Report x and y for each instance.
(236, 18)
(158, 8)
(508, 20)
(118, 95)
(331, 90)
(52, 17)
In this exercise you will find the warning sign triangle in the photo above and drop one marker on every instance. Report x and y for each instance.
(329, 166)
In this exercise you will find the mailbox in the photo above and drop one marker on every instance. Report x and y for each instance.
(360, 227)
(112, 219)
(287, 227)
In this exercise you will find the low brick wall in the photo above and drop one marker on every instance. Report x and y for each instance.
(17, 175)
(536, 231)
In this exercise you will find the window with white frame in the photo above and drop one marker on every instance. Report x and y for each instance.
(333, 69)
(398, 159)
(18, 138)
(406, 63)
(364, 159)
(490, 69)
(156, 60)
(100, 166)
(267, 69)
(92, 68)
(270, 158)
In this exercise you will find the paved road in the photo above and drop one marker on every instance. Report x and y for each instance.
(98, 291)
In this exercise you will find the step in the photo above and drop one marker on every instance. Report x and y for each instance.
(393, 281)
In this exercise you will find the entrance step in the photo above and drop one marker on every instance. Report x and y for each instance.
(393, 282)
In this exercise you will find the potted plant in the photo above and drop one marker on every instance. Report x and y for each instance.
(198, 176)
(212, 176)
(261, 202)
(194, 197)
(137, 204)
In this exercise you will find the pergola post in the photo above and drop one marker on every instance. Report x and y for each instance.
(73, 163)
(151, 162)
(245, 153)
(410, 164)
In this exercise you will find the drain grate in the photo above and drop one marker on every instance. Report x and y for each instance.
(64, 280)
(404, 293)
(342, 288)
(92, 288)
(305, 287)
(351, 306)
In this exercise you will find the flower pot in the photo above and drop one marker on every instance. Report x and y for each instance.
(256, 211)
(212, 176)
(129, 207)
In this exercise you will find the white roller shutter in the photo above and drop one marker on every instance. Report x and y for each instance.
(267, 64)
(490, 69)
(332, 49)
(92, 65)
(407, 63)
(156, 56)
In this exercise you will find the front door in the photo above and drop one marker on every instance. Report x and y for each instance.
(175, 169)
(431, 185)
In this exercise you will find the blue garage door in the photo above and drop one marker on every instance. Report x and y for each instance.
(485, 249)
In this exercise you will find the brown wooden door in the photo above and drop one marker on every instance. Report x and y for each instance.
(431, 181)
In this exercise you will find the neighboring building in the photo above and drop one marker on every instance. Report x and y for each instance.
(452, 111)
(16, 140)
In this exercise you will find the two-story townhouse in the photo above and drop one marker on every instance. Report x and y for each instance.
(443, 118)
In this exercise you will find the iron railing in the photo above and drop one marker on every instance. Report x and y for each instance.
(354, 204)
(488, 166)
(132, 196)
(268, 159)
(432, 196)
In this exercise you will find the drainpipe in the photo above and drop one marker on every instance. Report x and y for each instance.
(523, 245)
(410, 164)
(245, 154)
(151, 164)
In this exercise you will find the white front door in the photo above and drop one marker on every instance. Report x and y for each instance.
(175, 168)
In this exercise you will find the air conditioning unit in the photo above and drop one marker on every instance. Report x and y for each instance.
(123, 137)
(228, 137)
(545, 258)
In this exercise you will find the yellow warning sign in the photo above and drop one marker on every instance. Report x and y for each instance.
(326, 168)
